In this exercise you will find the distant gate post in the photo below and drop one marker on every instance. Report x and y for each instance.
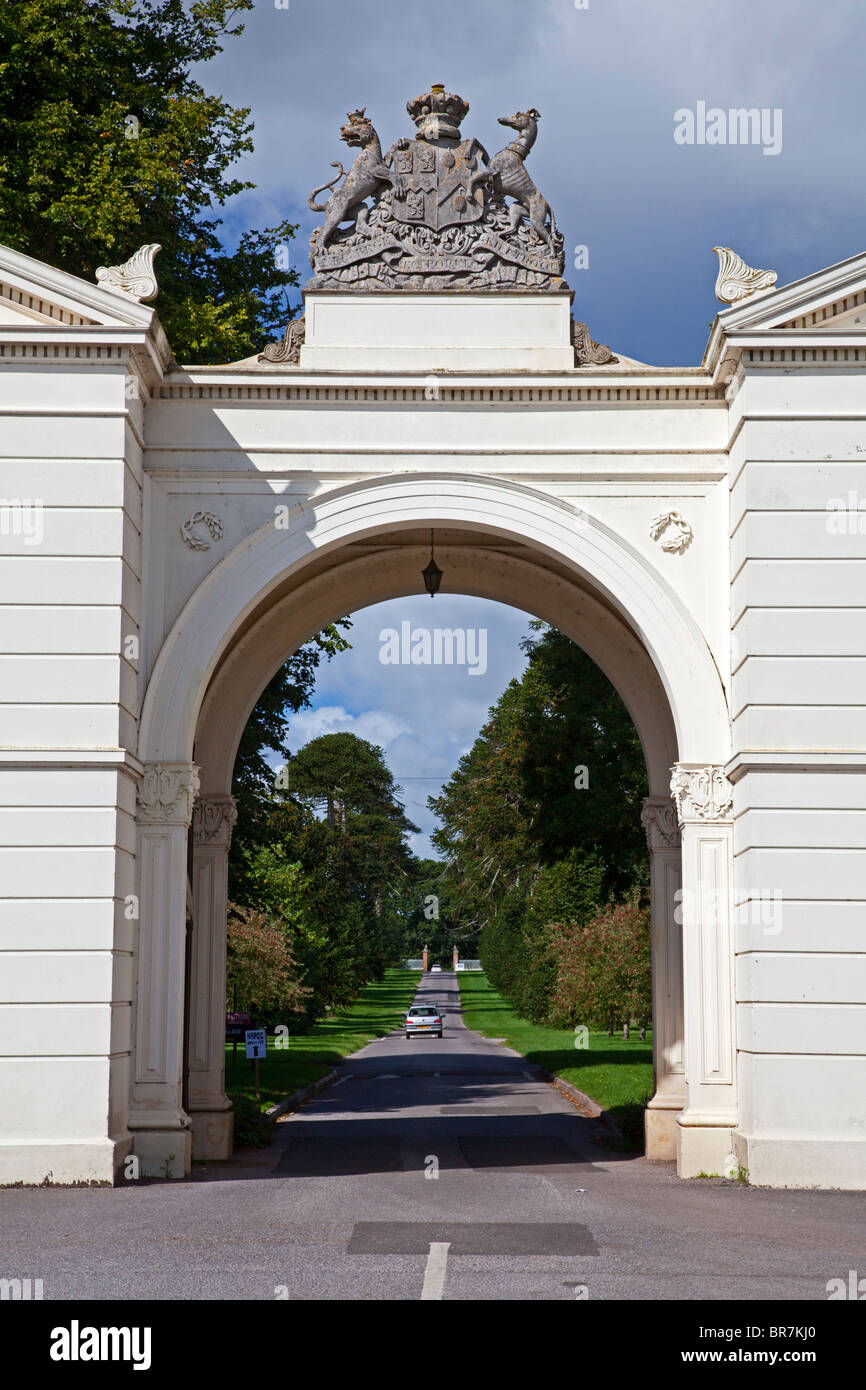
(424, 965)
(659, 819)
(455, 957)
(210, 1109)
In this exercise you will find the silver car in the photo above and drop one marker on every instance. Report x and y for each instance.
(423, 1018)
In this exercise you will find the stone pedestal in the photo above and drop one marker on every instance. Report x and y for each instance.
(437, 332)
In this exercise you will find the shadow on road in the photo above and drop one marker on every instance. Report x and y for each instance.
(393, 1112)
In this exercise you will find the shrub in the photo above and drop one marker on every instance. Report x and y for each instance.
(253, 1129)
(603, 968)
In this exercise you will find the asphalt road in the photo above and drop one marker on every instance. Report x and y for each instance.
(434, 1169)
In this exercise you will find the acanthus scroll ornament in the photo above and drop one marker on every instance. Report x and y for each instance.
(166, 793)
(738, 281)
(659, 820)
(588, 353)
(674, 528)
(289, 350)
(206, 519)
(701, 793)
(136, 278)
(213, 819)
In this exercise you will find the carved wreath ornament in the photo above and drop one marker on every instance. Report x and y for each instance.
(672, 531)
(211, 523)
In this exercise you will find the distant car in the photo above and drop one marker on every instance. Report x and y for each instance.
(435, 969)
(423, 1018)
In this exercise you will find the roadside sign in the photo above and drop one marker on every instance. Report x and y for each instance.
(257, 1045)
(236, 1024)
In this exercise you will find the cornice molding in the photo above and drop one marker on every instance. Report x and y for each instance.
(416, 393)
(70, 292)
(812, 294)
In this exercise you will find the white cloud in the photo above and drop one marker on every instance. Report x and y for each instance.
(376, 726)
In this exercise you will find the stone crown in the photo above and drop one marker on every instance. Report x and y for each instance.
(446, 108)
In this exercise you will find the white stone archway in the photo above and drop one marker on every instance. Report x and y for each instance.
(698, 528)
(269, 595)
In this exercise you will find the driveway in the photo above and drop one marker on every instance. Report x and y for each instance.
(434, 1169)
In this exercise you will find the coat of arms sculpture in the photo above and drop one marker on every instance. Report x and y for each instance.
(441, 215)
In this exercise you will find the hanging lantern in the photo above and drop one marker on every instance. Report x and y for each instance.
(431, 573)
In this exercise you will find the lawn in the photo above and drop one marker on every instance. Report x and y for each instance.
(377, 1010)
(616, 1074)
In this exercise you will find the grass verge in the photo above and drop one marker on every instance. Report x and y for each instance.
(616, 1074)
(310, 1056)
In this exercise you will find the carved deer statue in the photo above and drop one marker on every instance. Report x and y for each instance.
(512, 179)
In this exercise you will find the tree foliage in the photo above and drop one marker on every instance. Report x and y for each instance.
(260, 967)
(574, 718)
(434, 914)
(337, 885)
(107, 143)
(527, 841)
(344, 775)
(266, 731)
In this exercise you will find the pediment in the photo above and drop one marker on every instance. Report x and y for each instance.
(35, 295)
(831, 301)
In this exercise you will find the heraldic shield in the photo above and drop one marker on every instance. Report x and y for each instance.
(440, 184)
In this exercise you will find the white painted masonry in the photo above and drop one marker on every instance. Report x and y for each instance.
(197, 524)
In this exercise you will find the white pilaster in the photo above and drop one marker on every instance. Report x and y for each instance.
(704, 800)
(209, 1107)
(659, 819)
(160, 1125)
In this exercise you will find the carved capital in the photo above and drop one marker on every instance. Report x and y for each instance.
(659, 819)
(166, 793)
(701, 793)
(213, 819)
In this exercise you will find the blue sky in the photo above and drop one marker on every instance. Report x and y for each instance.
(608, 79)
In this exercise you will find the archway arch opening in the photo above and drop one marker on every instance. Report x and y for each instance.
(369, 542)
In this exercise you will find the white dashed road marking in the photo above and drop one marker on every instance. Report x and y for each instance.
(434, 1274)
